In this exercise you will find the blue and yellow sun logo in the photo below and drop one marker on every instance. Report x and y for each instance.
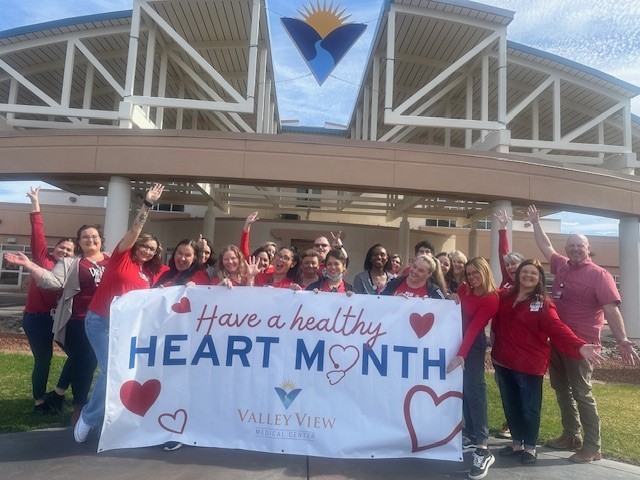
(287, 393)
(322, 37)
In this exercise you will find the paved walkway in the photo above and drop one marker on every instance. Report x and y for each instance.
(52, 454)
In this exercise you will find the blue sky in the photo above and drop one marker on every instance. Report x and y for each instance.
(604, 34)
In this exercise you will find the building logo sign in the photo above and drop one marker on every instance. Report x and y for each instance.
(322, 36)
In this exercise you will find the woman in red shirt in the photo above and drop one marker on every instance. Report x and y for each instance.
(526, 319)
(133, 265)
(37, 321)
(183, 267)
(479, 301)
(233, 269)
(420, 282)
(285, 274)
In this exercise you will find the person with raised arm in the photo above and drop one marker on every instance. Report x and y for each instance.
(78, 279)
(509, 261)
(585, 295)
(37, 321)
(135, 262)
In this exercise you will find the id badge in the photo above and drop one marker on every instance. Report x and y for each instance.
(535, 306)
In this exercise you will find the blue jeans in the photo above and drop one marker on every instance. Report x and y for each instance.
(522, 401)
(97, 329)
(474, 392)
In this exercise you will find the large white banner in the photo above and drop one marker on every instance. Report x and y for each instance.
(274, 370)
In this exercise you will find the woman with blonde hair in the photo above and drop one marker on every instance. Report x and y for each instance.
(233, 269)
(455, 275)
(479, 300)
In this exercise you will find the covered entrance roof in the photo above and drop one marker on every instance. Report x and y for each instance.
(445, 98)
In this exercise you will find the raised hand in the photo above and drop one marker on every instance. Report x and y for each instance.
(533, 214)
(154, 193)
(33, 196)
(336, 242)
(17, 258)
(502, 218)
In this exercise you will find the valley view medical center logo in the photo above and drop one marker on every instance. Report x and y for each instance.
(322, 37)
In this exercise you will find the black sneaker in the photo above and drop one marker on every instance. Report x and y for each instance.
(55, 401)
(468, 444)
(482, 460)
(43, 409)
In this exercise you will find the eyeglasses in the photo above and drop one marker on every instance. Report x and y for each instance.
(283, 257)
(89, 237)
(321, 245)
(149, 248)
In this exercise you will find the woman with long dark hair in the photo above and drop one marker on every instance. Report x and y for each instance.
(136, 260)
(525, 322)
(183, 267)
(286, 267)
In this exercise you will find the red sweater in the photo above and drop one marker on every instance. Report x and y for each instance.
(40, 300)
(266, 280)
(476, 313)
(121, 276)
(522, 332)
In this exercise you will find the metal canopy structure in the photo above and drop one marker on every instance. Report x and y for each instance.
(440, 73)
(443, 73)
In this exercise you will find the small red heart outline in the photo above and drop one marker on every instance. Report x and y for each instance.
(437, 400)
(349, 355)
(421, 324)
(183, 306)
(174, 422)
(138, 398)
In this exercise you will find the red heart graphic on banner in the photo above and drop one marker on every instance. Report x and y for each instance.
(174, 422)
(138, 398)
(421, 324)
(344, 358)
(437, 400)
(183, 306)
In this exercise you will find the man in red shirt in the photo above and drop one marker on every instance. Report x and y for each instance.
(585, 295)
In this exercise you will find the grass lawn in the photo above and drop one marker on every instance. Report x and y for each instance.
(618, 406)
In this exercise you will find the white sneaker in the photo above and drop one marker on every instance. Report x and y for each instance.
(81, 430)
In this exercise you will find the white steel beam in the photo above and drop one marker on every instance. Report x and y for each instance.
(557, 110)
(468, 110)
(93, 60)
(375, 94)
(450, 17)
(227, 107)
(88, 90)
(391, 52)
(67, 77)
(57, 110)
(529, 98)
(13, 97)
(147, 83)
(447, 72)
(580, 147)
(366, 119)
(252, 68)
(199, 59)
(261, 106)
(394, 119)
(162, 87)
(43, 110)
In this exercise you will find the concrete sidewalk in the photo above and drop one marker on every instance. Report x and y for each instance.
(52, 454)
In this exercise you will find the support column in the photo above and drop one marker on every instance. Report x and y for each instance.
(116, 220)
(495, 236)
(472, 247)
(209, 226)
(629, 252)
(404, 237)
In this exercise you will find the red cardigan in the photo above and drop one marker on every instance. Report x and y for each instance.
(521, 335)
(476, 313)
(40, 300)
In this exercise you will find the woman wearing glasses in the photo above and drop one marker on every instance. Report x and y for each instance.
(78, 277)
(285, 274)
(133, 265)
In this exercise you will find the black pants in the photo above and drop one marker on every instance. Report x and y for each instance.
(81, 362)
